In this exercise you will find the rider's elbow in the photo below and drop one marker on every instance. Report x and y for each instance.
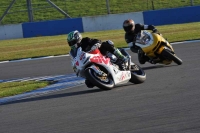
(133, 49)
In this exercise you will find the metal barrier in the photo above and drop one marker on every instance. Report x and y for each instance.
(20, 11)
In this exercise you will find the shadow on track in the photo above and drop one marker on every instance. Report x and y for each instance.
(157, 66)
(42, 97)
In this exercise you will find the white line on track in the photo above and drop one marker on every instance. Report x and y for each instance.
(62, 82)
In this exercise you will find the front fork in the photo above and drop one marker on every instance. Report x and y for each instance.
(99, 74)
(97, 70)
(166, 46)
(125, 53)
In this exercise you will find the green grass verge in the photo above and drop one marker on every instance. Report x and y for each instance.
(57, 45)
(14, 88)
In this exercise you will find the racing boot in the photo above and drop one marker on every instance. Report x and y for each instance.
(122, 60)
(142, 57)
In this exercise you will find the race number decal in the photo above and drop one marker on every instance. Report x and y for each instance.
(100, 59)
(77, 63)
(82, 56)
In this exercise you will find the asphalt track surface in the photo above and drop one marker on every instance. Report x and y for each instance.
(167, 102)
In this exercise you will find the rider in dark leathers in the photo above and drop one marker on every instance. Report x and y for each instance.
(131, 30)
(87, 44)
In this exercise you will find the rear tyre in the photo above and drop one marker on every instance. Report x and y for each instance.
(167, 54)
(137, 74)
(90, 75)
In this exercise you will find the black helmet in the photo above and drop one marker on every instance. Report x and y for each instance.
(74, 38)
(129, 25)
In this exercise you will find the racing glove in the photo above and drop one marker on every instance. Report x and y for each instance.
(155, 30)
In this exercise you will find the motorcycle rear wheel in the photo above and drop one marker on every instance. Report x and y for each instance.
(166, 53)
(138, 75)
(89, 73)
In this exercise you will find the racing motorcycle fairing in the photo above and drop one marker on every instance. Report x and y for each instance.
(153, 44)
(95, 60)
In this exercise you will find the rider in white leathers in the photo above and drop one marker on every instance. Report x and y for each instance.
(87, 44)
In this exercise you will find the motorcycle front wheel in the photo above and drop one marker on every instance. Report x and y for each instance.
(94, 79)
(137, 74)
(167, 54)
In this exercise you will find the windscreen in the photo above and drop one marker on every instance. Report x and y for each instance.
(143, 38)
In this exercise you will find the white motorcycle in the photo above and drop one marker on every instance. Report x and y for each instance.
(103, 72)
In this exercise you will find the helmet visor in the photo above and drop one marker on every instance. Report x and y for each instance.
(128, 28)
(73, 42)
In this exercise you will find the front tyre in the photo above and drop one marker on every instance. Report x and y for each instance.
(168, 55)
(91, 76)
(137, 74)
